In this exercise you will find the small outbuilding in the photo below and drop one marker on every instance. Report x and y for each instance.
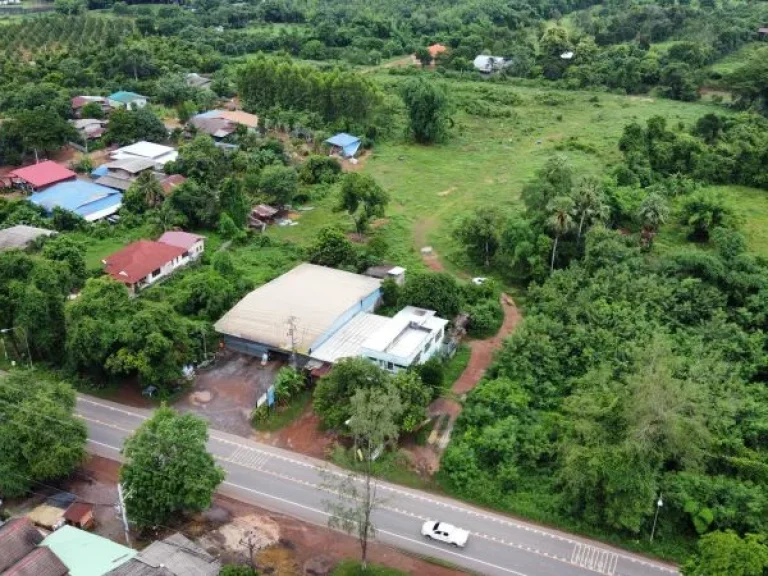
(41, 176)
(127, 100)
(488, 64)
(86, 554)
(344, 145)
(80, 515)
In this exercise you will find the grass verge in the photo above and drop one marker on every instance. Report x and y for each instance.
(354, 568)
(284, 415)
(455, 366)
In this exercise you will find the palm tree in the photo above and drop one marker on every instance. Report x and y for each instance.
(560, 221)
(149, 189)
(653, 212)
(589, 204)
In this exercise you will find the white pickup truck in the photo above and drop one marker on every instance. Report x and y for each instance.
(443, 532)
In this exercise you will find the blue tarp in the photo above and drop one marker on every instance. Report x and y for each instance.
(83, 198)
(100, 171)
(349, 144)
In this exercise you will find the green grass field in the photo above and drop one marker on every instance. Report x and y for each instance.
(737, 59)
(488, 161)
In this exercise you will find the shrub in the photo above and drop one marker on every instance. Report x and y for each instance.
(485, 318)
(433, 375)
(287, 384)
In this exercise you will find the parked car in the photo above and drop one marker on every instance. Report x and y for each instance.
(443, 532)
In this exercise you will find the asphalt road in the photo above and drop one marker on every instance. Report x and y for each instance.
(291, 483)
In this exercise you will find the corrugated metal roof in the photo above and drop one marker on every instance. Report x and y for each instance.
(179, 238)
(20, 236)
(348, 341)
(126, 97)
(43, 174)
(342, 140)
(87, 554)
(81, 197)
(17, 539)
(138, 259)
(315, 296)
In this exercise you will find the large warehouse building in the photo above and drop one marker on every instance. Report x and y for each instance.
(298, 311)
(326, 315)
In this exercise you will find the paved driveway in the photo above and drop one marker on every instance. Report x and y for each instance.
(226, 393)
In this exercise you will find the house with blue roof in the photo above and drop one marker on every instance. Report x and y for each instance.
(86, 199)
(127, 100)
(344, 144)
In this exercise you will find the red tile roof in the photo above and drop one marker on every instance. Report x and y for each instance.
(78, 512)
(137, 260)
(43, 174)
(169, 184)
(181, 239)
(436, 49)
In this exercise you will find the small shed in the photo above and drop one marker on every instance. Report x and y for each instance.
(762, 32)
(261, 215)
(46, 516)
(344, 144)
(80, 515)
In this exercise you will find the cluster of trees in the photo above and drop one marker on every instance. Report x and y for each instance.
(340, 98)
(629, 377)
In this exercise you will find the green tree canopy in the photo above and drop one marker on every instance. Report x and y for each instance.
(167, 469)
(40, 438)
(427, 106)
(363, 199)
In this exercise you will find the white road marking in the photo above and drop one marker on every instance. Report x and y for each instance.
(238, 446)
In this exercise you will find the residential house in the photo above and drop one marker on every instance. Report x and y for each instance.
(233, 117)
(193, 244)
(343, 144)
(21, 236)
(144, 262)
(488, 64)
(90, 128)
(216, 128)
(195, 80)
(158, 153)
(121, 174)
(41, 176)
(21, 555)
(173, 556)
(86, 199)
(127, 100)
(78, 102)
(86, 554)
(262, 215)
(411, 337)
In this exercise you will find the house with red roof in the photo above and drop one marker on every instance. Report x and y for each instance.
(144, 262)
(40, 176)
(193, 244)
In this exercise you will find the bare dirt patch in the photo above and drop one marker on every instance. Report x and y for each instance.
(302, 435)
(348, 166)
(444, 193)
(226, 393)
(431, 258)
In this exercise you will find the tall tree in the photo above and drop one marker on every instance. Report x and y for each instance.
(40, 438)
(373, 427)
(363, 199)
(480, 232)
(233, 201)
(145, 193)
(652, 213)
(167, 468)
(589, 205)
(427, 106)
(560, 221)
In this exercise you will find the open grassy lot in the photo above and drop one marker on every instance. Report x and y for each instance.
(489, 160)
(736, 59)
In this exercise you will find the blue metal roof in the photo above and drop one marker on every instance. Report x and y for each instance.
(349, 144)
(82, 198)
(100, 171)
(125, 97)
(342, 140)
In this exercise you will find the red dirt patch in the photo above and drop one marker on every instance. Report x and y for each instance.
(302, 435)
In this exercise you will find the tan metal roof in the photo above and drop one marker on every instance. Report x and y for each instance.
(314, 295)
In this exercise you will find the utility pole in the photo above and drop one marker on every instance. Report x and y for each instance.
(123, 514)
(659, 504)
(292, 334)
